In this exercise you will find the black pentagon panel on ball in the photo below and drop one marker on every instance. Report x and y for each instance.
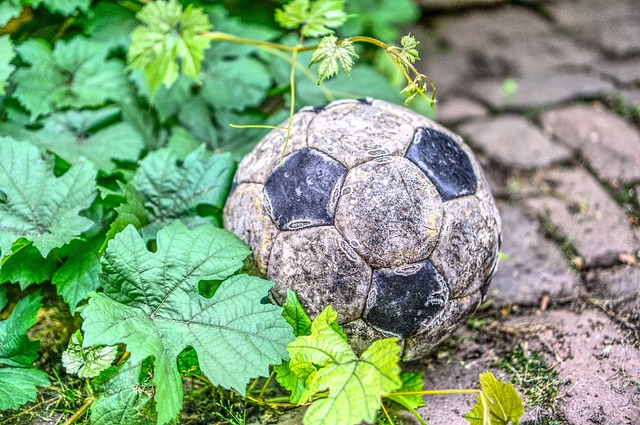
(403, 300)
(444, 161)
(304, 192)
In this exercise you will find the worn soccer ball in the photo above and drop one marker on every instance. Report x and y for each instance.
(377, 211)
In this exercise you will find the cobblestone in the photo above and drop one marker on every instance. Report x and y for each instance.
(618, 281)
(622, 72)
(540, 90)
(533, 267)
(597, 368)
(514, 142)
(609, 143)
(458, 109)
(583, 214)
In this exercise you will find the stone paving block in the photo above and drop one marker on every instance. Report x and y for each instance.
(612, 25)
(456, 4)
(458, 109)
(533, 266)
(614, 282)
(623, 72)
(514, 142)
(540, 90)
(584, 214)
(609, 143)
(598, 368)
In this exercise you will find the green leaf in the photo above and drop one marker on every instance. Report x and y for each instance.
(151, 303)
(86, 362)
(109, 23)
(316, 18)
(409, 48)
(124, 398)
(39, 206)
(329, 53)
(3, 297)
(173, 191)
(66, 7)
(75, 74)
(182, 143)
(6, 56)
(236, 84)
(15, 347)
(18, 386)
(79, 274)
(131, 211)
(26, 266)
(410, 382)
(71, 136)
(505, 405)
(294, 314)
(168, 43)
(380, 18)
(325, 361)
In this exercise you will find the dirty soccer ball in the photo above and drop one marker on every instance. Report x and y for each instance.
(377, 211)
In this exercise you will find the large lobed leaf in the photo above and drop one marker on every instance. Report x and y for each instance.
(171, 190)
(324, 360)
(151, 303)
(75, 73)
(39, 206)
(18, 381)
(6, 55)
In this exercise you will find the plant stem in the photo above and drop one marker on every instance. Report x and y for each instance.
(266, 384)
(223, 36)
(434, 392)
(80, 411)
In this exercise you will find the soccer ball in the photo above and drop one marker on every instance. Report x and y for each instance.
(375, 210)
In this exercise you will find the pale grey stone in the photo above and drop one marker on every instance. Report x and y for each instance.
(458, 109)
(468, 246)
(355, 132)
(609, 143)
(389, 212)
(244, 215)
(514, 142)
(323, 270)
(584, 214)
(535, 91)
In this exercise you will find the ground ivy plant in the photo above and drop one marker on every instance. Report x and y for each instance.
(120, 126)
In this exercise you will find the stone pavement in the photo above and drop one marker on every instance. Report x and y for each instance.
(548, 95)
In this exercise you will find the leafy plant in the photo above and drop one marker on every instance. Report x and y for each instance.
(120, 127)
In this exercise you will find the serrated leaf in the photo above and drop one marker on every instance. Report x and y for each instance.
(109, 23)
(182, 143)
(6, 56)
(26, 266)
(324, 360)
(173, 191)
(10, 9)
(329, 53)
(124, 398)
(151, 303)
(79, 274)
(15, 347)
(131, 211)
(86, 362)
(71, 136)
(39, 206)
(505, 405)
(75, 74)
(168, 43)
(3, 297)
(409, 48)
(18, 386)
(315, 18)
